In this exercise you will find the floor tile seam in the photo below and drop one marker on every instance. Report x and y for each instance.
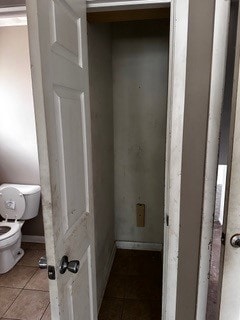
(31, 278)
(27, 289)
(27, 265)
(12, 318)
(123, 306)
(45, 311)
(4, 315)
(21, 289)
(11, 287)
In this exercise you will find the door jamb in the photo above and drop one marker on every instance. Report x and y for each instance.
(219, 56)
(174, 140)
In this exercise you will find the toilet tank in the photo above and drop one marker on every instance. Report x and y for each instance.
(31, 194)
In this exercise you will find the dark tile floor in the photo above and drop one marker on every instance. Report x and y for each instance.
(24, 289)
(134, 287)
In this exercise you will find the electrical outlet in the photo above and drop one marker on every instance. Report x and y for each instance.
(140, 211)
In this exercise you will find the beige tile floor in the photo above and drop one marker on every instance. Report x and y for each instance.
(24, 290)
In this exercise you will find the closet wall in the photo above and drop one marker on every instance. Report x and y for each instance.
(128, 68)
(140, 78)
(100, 76)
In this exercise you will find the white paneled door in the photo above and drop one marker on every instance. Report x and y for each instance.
(58, 49)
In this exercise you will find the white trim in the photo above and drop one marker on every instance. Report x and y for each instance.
(104, 5)
(175, 124)
(13, 10)
(34, 239)
(139, 246)
(107, 274)
(13, 16)
(216, 98)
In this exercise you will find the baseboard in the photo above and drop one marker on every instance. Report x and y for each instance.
(139, 246)
(34, 239)
(108, 270)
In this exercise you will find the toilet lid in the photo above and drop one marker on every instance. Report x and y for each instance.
(12, 203)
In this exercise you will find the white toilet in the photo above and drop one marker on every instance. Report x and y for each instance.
(18, 203)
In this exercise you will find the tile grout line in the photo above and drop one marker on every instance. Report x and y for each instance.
(44, 311)
(26, 289)
(123, 306)
(30, 278)
(36, 290)
(21, 289)
(33, 273)
(125, 286)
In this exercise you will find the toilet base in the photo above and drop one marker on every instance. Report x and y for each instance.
(9, 256)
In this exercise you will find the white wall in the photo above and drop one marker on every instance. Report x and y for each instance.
(18, 145)
(140, 73)
(100, 72)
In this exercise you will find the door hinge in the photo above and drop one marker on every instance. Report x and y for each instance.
(223, 238)
(167, 220)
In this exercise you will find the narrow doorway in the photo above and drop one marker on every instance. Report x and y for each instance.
(128, 69)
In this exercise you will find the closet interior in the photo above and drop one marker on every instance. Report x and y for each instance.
(128, 70)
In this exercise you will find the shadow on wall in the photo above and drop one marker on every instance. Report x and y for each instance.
(18, 143)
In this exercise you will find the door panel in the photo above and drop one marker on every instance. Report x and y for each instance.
(70, 123)
(58, 45)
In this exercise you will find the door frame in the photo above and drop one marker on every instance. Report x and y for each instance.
(175, 127)
(229, 257)
(174, 143)
(218, 72)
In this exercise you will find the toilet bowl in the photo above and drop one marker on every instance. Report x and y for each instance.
(17, 204)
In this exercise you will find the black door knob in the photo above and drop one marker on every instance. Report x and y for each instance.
(72, 266)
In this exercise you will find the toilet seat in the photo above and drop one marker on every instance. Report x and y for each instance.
(12, 204)
(14, 228)
(12, 235)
